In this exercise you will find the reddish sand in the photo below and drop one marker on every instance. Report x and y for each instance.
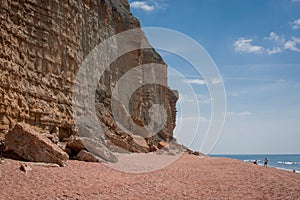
(190, 177)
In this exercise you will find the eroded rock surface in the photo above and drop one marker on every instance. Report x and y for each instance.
(42, 46)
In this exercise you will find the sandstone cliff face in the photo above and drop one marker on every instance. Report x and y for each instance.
(42, 46)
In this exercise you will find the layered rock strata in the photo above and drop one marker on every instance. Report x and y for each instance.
(43, 43)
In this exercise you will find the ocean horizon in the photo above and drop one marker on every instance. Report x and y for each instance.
(280, 161)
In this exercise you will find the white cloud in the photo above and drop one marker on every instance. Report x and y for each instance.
(196, 81)
(185, 98)
(295, 24)
(149, 5)
(238, 114)
(296, 39)
(273, 36)
(276, 38)
(274, 50)
(279, 45)
(215, 81)
(204, 99)
(292, 44)
(159, 4)
(199, 98)
(142, 5)
(246, 46)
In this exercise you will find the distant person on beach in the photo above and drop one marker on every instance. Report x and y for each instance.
(266, 162)
(255, 162)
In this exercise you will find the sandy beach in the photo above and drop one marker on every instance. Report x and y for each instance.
(190, 177)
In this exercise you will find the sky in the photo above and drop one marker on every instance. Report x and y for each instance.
(256, 47)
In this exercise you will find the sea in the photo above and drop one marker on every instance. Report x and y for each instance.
(281, 161)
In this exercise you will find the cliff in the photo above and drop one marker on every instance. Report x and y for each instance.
(43, 43)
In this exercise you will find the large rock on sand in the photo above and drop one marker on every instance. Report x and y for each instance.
(75, 144)
(33, 146)
(86, 156)
(96, 148)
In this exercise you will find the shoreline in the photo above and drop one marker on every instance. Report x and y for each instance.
(290, 170)
(270, 166)
(274, 161)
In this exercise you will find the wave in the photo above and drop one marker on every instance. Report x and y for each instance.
(288, 163)
(252, 160)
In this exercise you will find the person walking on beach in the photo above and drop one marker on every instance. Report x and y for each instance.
(266, 162)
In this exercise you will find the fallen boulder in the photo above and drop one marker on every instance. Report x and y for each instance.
(98, 149)
(140, 143)
(33, 146)
(131, 143)
(162, 144)
(95, 148)
(25, 168)
(86, 156)
(196, 153)
(75, 144)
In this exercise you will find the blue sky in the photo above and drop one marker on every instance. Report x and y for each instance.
(256, 46)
